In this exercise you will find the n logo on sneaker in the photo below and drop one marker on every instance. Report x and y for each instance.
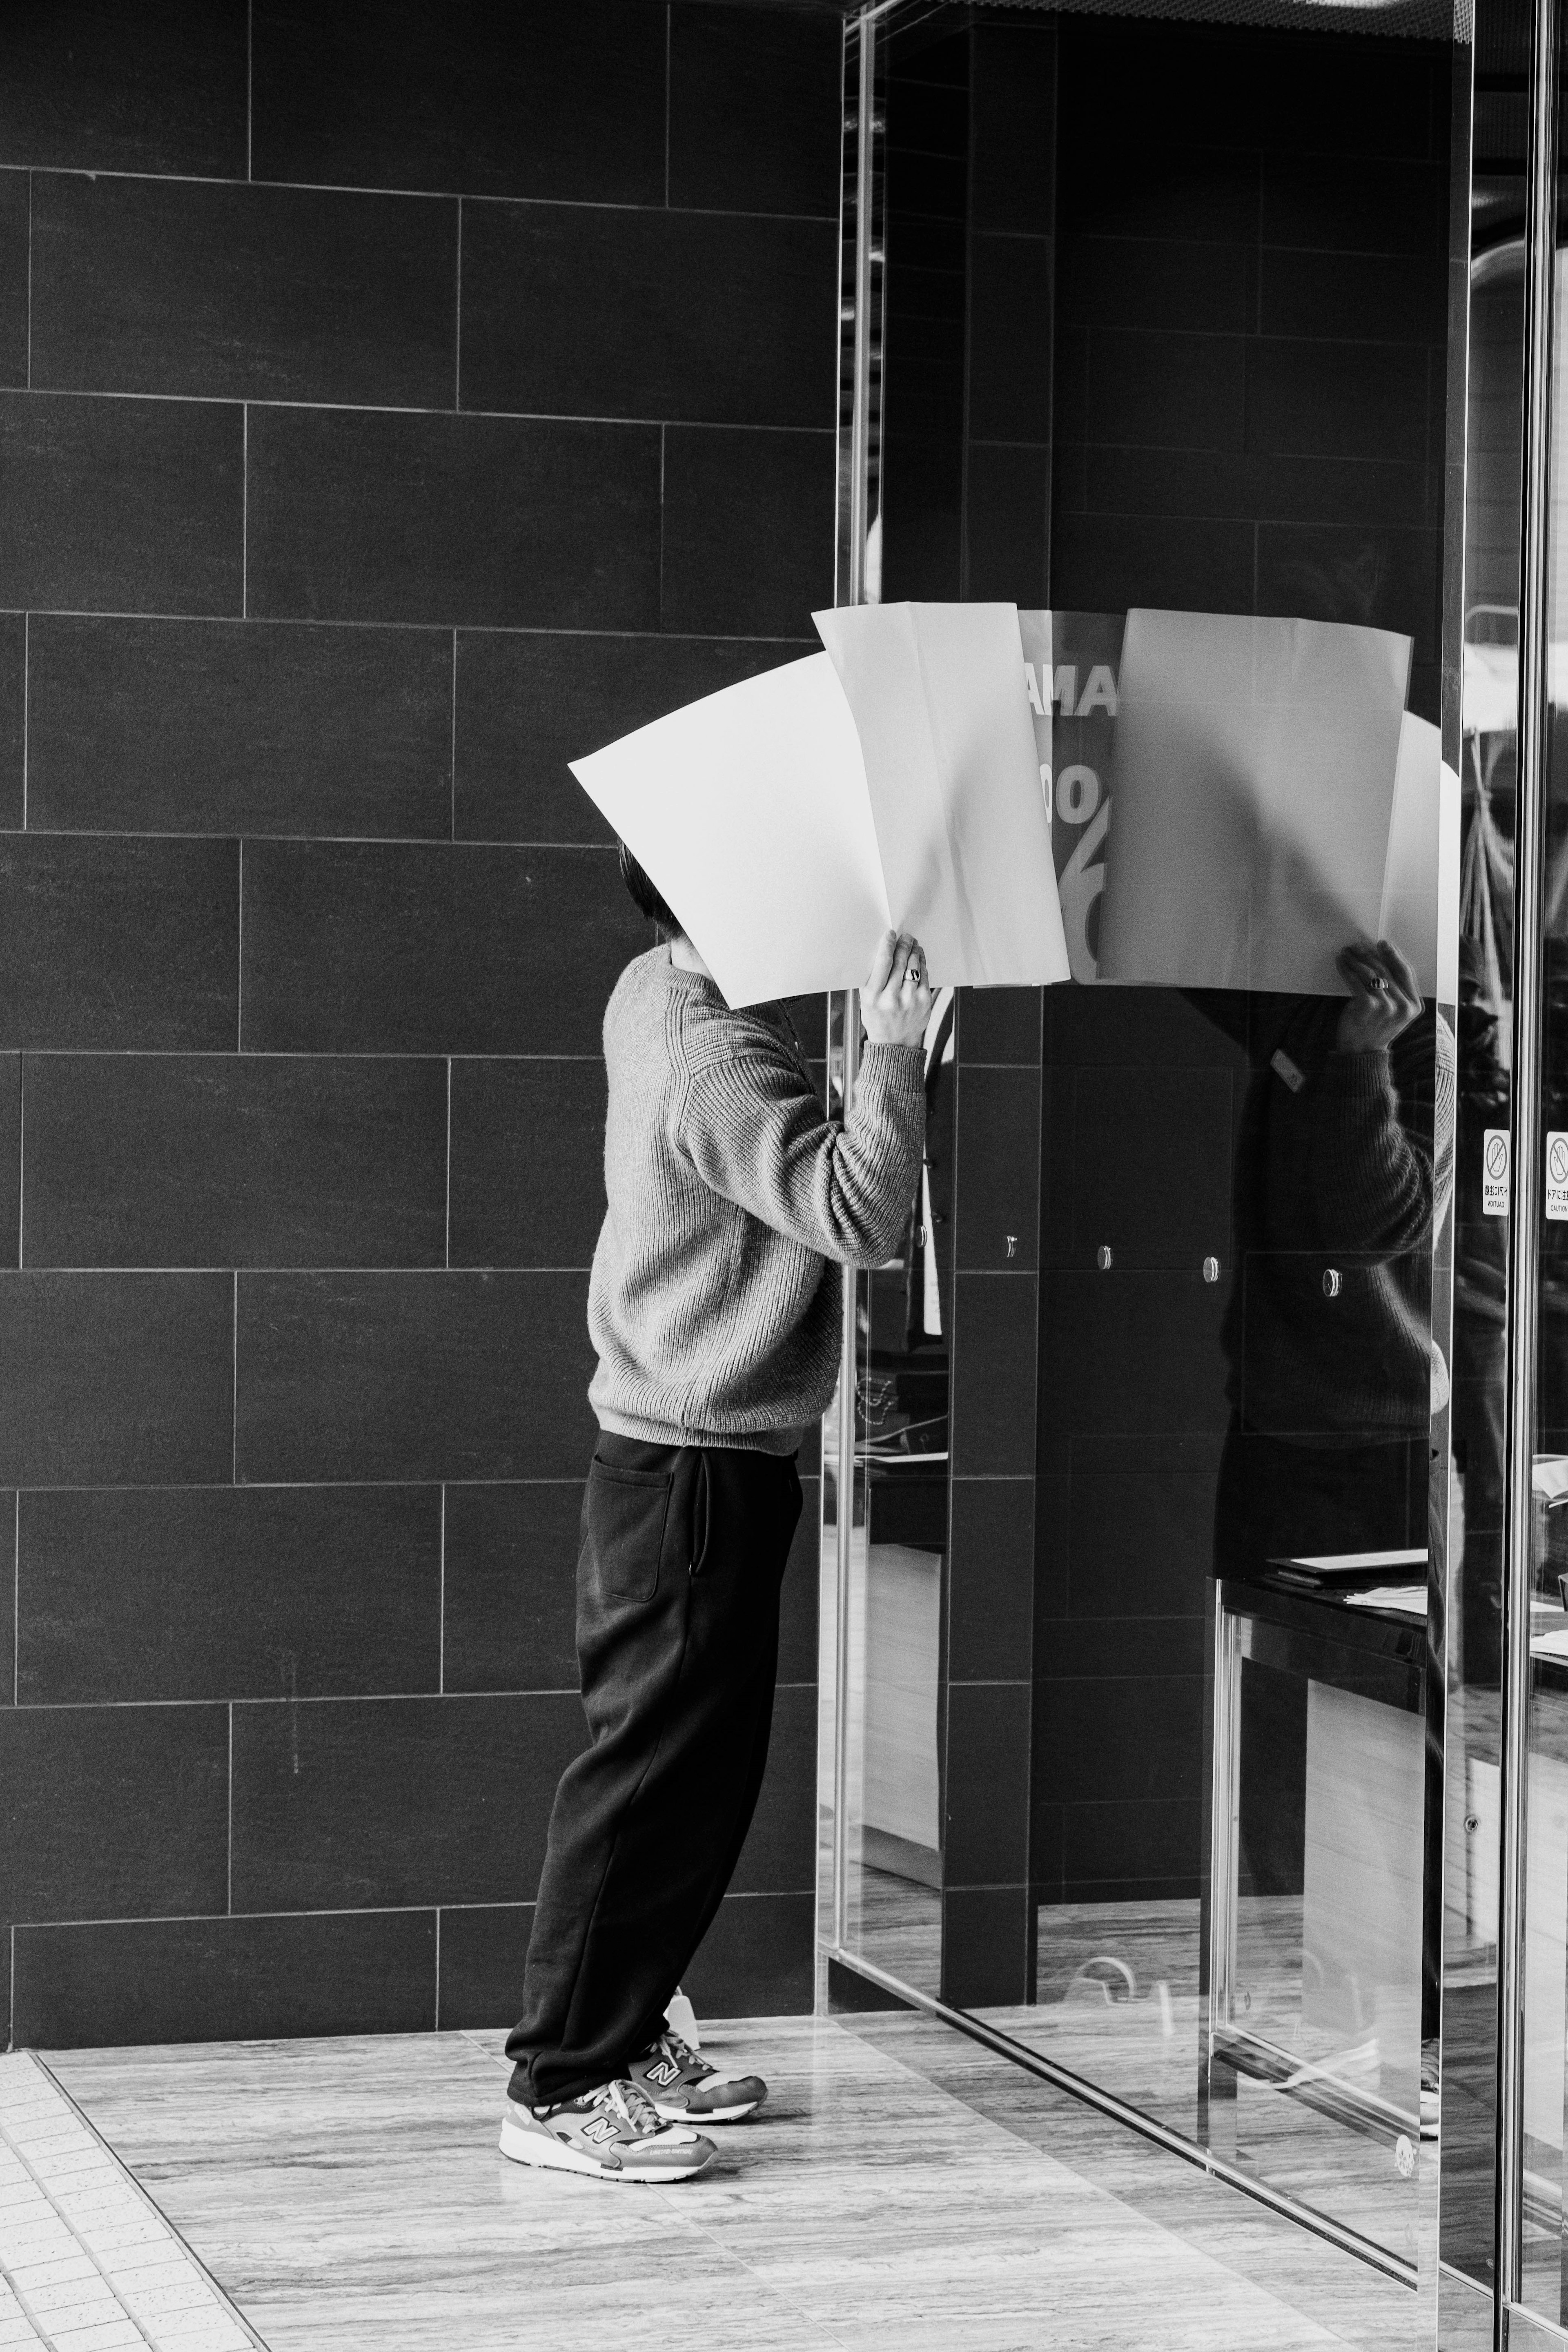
(599, 2130)
(664, 2073)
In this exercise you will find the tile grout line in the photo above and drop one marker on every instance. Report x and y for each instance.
(399, 194)
(661, 524)
(291, 1485)
(649, 636)
(36, 2320)
(148, 2204)
(1249, 242)
(612, 420)
(410, 1697)
(373, 1910)
(480, 1273)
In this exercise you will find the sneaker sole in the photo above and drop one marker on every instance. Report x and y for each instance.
(530, 2147)
(714, 2115)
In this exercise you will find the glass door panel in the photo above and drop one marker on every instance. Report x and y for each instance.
(1542, 1964)
(1158, 1425)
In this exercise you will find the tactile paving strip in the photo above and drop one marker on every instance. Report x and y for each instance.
(88, 2263)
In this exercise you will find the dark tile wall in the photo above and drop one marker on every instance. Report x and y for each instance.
(394, 401)
(1251, 325)
(987, 1681)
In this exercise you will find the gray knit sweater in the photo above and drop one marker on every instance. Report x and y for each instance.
(712, 1305)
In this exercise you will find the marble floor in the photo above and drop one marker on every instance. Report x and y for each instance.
(902, 2186)
(1117, 2004)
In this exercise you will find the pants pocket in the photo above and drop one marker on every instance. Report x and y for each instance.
(627, 1515)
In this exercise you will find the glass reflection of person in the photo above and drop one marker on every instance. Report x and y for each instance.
(1481, 1287)
(715, 1312)
(1346, 1149)
(1344, 1161)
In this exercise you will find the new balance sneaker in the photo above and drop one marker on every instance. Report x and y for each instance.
(685, 2088)
(613, 2132)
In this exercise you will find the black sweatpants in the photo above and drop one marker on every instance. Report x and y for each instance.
(678, 1574)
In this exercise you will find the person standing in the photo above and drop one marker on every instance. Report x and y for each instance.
(714, 1309)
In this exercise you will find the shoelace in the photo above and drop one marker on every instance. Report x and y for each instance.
(680, 2053)
(631, 2105)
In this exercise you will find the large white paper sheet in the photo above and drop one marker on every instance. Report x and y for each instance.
(1255, 764)
(1449, 810)
(1421, 884)
(956, 787)
(750, 812)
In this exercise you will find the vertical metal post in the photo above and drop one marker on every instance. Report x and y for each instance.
(1224, 1802)
(859, 518)
(1523, 1239)
(860, 409)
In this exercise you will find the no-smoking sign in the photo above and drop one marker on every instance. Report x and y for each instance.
(1494, 1172)
(1557, 1176)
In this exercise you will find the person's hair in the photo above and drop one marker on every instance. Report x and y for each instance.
(645, 897)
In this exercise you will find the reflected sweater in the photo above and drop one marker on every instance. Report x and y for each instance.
(713, 1306)
(1344, 1169)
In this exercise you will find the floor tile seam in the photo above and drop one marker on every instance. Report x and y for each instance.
(225, 2305)
(761, 2284)
(35, 2319)
(1211, 2263)
(51, 2099)
(189, 2056)
(472, 2035)
(19, 2306)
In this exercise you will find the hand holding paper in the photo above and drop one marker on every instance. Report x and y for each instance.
(895, 996)
(1385, 998)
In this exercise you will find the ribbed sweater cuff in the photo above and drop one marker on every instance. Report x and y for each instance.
(1361, 1077)
(894, 1066)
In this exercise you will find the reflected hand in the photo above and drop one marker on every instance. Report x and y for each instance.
(895, 1002)
(1384, 998)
